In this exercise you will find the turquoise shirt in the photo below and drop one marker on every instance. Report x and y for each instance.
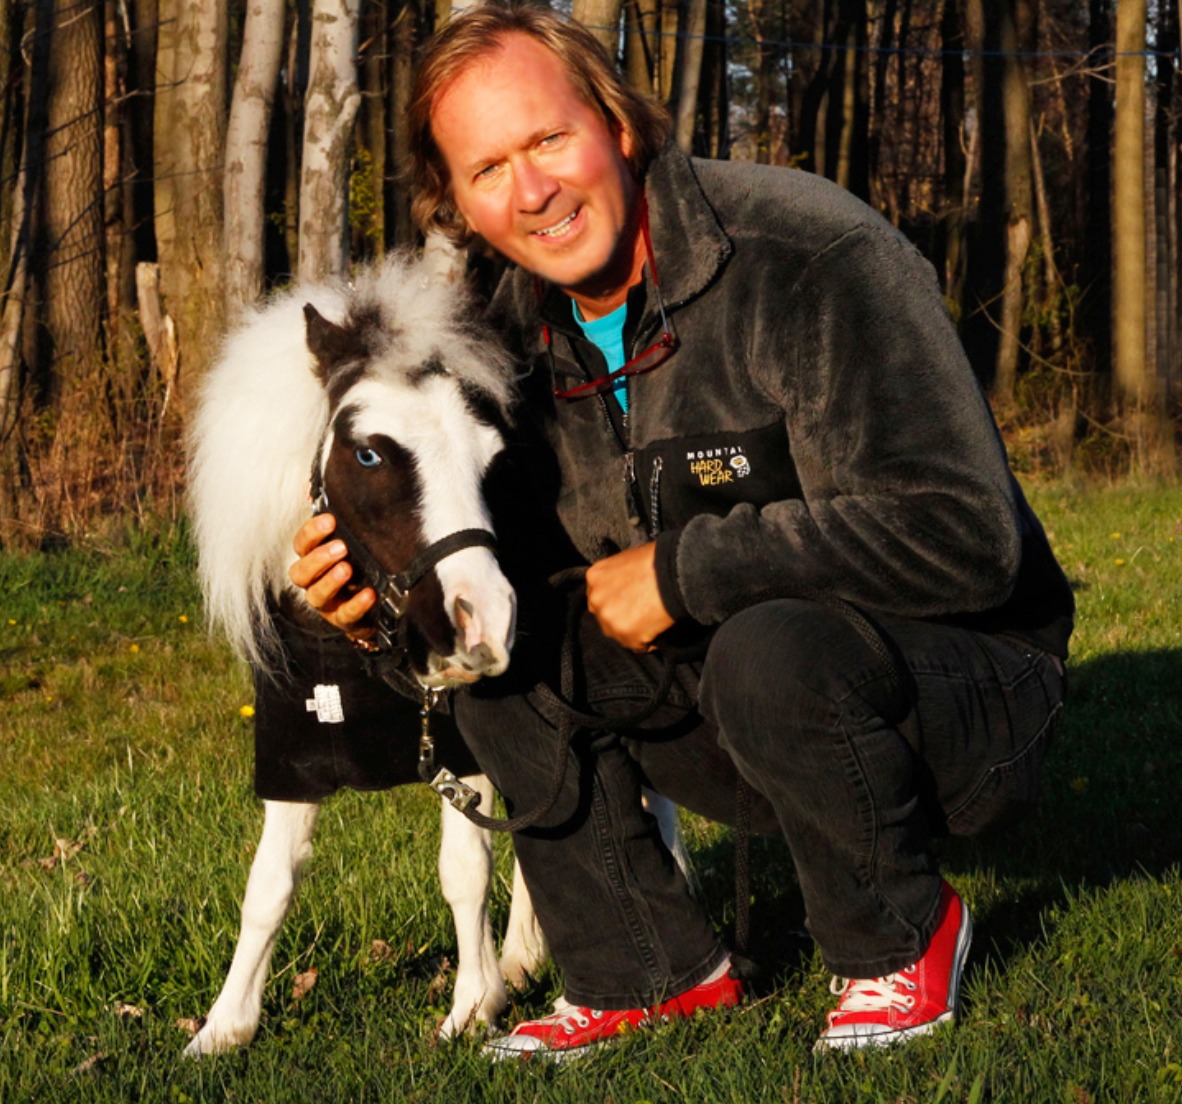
(607, 335)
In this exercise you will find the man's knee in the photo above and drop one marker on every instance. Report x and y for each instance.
(799, 661)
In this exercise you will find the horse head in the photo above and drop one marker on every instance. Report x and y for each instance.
(414, 404)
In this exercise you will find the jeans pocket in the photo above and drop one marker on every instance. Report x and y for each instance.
(1008, 790)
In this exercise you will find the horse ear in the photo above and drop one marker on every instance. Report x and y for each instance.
(327, 342)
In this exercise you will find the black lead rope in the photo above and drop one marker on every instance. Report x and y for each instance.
(569, 720)
(465, 799)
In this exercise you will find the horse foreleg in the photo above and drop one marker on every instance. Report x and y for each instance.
(465, 875)
(670, 827)
(524, 950)
(285, 846)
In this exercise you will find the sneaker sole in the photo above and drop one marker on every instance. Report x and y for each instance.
(889, 1038)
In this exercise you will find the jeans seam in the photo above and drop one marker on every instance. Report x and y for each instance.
(616, 879)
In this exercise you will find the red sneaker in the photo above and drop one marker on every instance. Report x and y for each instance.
(572, 1030)
(891, 1009)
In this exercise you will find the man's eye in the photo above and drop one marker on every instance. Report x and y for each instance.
(487, 173)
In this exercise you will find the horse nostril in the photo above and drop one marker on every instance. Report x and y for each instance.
(481, 656)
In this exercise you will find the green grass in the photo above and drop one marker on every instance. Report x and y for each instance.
(121, 737)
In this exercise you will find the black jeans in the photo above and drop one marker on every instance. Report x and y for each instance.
(857, 775)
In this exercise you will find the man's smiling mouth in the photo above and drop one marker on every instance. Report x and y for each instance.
(559, 228)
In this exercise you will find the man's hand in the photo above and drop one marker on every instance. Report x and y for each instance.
(323, 575)
(623, 597)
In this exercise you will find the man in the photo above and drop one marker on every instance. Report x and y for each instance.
(796, 466)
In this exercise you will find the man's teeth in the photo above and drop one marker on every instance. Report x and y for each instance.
(558, 228)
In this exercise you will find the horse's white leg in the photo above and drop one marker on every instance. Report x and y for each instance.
(670, 826)
(465, 874)
(524, 949)
(285, 846)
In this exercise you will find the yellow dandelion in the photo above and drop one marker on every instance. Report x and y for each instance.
(12, 621)
(246, 711)
(1079, 785)
(134, 648)
(183, 619)
(1119, 562)
(1115, 536)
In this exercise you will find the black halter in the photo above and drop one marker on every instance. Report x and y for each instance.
(392, 588)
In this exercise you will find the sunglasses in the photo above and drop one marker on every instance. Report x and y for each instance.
(652, 357)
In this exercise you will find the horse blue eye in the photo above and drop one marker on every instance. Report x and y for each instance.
(367, 458)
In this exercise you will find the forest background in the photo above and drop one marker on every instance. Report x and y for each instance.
(165, 162)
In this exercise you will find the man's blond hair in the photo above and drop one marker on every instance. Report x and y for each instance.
(475, 34)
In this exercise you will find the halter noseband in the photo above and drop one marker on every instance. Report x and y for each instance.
(392, 588)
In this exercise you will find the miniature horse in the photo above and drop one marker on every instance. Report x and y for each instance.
(395, 394)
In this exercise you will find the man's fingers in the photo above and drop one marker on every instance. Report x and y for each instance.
(324, 561)
(313, 532)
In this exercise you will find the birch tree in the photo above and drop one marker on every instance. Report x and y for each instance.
(329, 111)
(602, 19)
(246, 151)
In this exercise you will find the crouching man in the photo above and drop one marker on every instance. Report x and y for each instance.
(770, 442)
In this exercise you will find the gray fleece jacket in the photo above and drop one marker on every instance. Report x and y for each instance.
(818, 430)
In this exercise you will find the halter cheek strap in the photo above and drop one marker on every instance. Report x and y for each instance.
(393, 588)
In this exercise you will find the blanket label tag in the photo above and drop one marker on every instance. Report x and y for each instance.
(326, 704)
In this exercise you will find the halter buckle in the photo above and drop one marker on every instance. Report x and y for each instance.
(459, 795)
(395, 600)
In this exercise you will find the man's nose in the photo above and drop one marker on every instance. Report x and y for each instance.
(533, 185)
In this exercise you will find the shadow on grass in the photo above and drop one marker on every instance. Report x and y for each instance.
(1108, 812)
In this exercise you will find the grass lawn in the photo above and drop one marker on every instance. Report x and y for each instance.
(127, 825)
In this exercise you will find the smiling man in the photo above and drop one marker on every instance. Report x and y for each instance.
(771, 446)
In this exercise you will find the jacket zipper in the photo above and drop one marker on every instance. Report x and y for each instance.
(654, 498)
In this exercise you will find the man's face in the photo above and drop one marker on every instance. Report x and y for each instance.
(537, 172)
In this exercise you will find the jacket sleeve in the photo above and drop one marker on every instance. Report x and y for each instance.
(907, 502)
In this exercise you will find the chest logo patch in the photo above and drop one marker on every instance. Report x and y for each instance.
(715, 466)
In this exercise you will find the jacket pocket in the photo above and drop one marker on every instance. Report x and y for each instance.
(680, 478)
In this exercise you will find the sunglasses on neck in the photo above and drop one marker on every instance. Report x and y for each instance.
(652, 357)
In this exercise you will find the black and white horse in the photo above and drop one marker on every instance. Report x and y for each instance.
(381, 381)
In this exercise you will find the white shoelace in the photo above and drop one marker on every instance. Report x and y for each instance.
(874, 994)
(567, 1016)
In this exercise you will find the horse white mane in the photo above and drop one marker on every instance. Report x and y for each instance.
(261, 412)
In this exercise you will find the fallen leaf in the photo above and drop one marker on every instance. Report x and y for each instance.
(380, 951)
(190, 1026)
(440, 980)
(304, 983)
(128, 1010)
(90, 1063)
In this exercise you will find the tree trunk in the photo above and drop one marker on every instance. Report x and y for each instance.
(75, 290)
(190, 122)
(715, 89)
(763, 22)
(1165, 247)
(329, 111)
(1132, 378)
(952, 114)
(402, 37)
(848, 115)
(1015, 36)
(1096, 307)
(641, 43)
(602, 19)
(246, 153)
(694, 42)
